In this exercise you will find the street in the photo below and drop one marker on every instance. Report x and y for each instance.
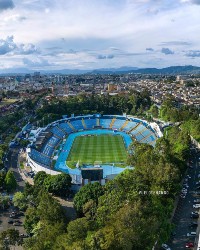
(182, 215)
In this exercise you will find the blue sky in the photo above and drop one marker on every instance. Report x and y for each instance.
(91, 34)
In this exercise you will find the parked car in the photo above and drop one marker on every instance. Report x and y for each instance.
(193, 224)
(191, 234)
(194, 216)
(183, 196)
(196, 206)
(197, 201)
(24, 235)
(18, 221)
(189, 245)
(10, 222)
(17, 224)
(13, 216)
(166, 247)
(197, 193)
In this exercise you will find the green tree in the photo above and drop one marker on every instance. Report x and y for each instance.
(77, 229)
(9, 238)
(58, 184)
(10, 181)
(40, 178)
(91, 191)
(20, 200)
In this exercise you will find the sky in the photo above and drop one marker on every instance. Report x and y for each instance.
(92, 34)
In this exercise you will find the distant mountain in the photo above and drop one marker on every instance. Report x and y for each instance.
(189, 69)
(169, 70)
(114, 70)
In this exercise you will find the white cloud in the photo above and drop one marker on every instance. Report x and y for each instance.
(85, 30)
(8, 46)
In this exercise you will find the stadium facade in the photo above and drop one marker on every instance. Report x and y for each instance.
(51, 145)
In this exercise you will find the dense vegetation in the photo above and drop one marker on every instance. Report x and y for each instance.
(170, 111)
(56, 184)
(193, 128)
(7, 181)
(134, 103)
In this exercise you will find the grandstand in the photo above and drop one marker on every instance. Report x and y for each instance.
(52, 146)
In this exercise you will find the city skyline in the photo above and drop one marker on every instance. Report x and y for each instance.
(92, 34)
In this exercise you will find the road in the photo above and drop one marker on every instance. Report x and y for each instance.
(185, 207)
(12, 164)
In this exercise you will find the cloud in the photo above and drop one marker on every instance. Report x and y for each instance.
(6, 4)
(149, 49)
(193, 53)
(37, 62)
(191, 1)
(9, 46)
(105, 56)
(175, 43)
(167, 51)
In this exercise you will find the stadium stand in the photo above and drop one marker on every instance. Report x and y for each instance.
(105, 123)
(118, 124)
(77, 124)
(39, 157)
(90, 122)
(58, 132)
(65, 126)
(124, 125)
(71, 126)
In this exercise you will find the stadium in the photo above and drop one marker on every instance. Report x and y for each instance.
(89, 148)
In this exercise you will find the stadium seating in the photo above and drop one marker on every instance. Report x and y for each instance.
(58, 132)
(39, 157)
(138, 129)
(118, 124)
(47, 150)
(105, 123)
(129, 126)
(65, 126)
(90, 122)
(53, 141)
(77, 124)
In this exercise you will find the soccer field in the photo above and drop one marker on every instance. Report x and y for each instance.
(103, 148)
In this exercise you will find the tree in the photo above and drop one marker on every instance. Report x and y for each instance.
(11, 183)
(40, 178)
(2, 180)
(9, 238)
(77, 229)
(20, 200)
(49, 210)
(91, 191)
(45, 237)
(154, 111)
(31, 219)
(58, 184)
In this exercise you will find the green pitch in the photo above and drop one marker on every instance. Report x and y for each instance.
(102, 148)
